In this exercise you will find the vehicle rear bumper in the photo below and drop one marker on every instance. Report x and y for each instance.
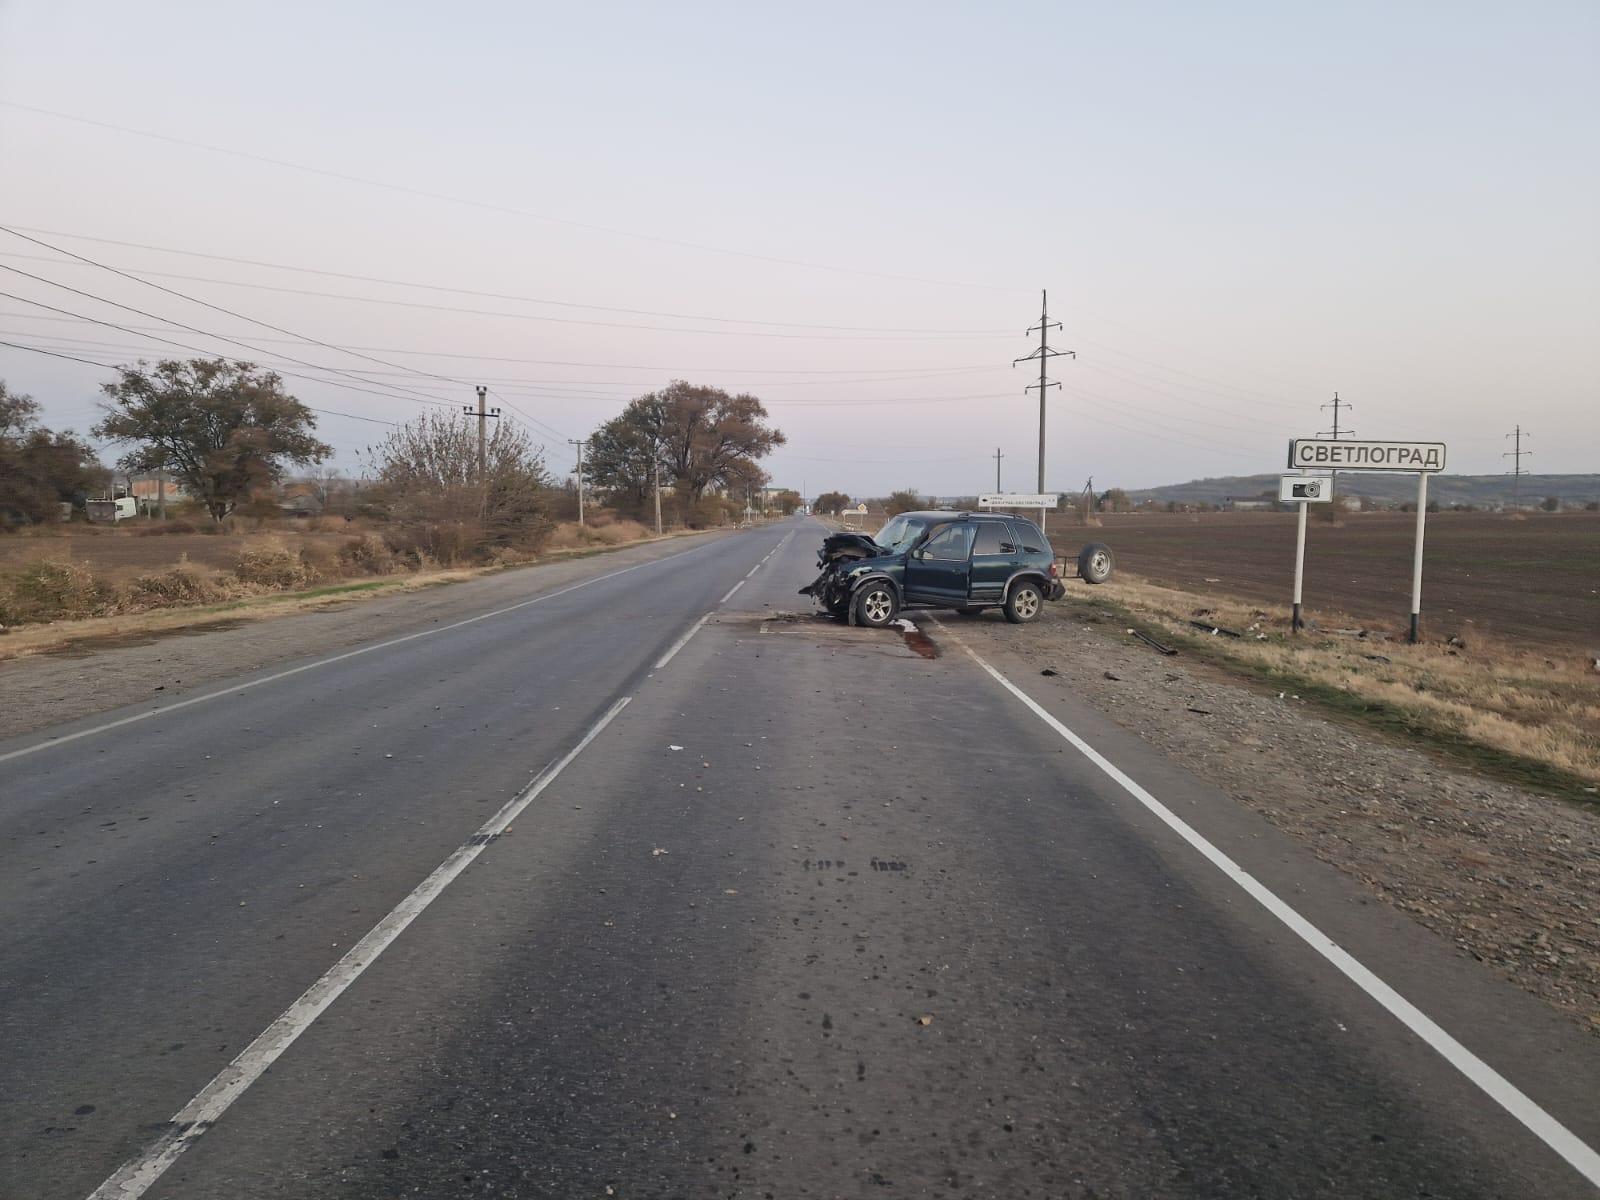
(1057, 590)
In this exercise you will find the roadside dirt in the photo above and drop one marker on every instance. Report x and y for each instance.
(1509, 876)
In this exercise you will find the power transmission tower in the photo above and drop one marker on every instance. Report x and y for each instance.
(1044, 354)
(1336, 433)
(997, 457)
(580, 444)
(483, 414)
(1517, 455)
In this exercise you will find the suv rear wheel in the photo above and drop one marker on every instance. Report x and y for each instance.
(1023, 602)
(876, 604)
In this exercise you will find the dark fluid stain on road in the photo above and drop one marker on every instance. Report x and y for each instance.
(90, 646)
(920, 642)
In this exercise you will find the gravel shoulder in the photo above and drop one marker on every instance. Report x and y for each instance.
(1508, 876)
(163, 657)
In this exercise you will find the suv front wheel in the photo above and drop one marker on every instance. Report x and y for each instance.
(876, 604)
(1023, 602)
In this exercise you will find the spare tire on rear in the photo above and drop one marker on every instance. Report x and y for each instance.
(1095, 562)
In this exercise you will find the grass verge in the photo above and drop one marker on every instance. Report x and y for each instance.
(1512, 714)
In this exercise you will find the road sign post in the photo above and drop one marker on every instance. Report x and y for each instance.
(1424, 458)
(1302, 490)
(1416, 559)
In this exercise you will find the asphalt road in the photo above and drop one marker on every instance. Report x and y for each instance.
(785, 909)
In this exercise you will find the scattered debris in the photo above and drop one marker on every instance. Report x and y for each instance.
(1049, 671)
(657, 852)
(1216, 629)
(1113, 678)
(674, 747)
(925, 1019)
(1383, 658)
(1204, 712)
(1151, 642)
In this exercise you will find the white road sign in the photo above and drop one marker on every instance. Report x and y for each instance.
(1019, 499)
(1324, 454)
(1305, 489)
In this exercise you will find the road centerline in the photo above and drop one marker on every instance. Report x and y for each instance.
(1577, 1153)
(143, 1170)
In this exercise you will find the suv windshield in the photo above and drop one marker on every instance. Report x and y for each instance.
(899, 533)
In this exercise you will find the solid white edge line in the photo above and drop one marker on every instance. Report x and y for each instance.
(323, 662)
(731, 591)
(1502, 1091)
(140, 1172)
(680, 643)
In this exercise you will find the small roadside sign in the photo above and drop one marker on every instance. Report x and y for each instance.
(1305, 489)
(1019, 499)
(1322, 454)
(861, 509)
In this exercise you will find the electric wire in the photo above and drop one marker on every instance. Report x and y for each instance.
(20, 230)
(111, 367)
(458, 310)
(493, 207)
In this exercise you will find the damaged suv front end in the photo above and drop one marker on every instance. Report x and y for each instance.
(965, 561)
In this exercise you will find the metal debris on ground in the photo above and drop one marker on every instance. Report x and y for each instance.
(1151, 642)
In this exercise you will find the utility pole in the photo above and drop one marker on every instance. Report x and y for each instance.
(997, 457)
(1516, 456)
(1336, 433)
(580, 444)
(1044, 354)
(483, 414)
(657, 463)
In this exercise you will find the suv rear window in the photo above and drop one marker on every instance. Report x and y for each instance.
(1029, 539)
(994, 537)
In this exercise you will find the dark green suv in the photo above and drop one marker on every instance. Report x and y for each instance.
(965, 561)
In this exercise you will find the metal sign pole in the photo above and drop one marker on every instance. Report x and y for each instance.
(1295, 623)
(1416, 561)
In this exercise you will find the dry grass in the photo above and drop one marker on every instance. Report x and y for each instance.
(1512, 700)
(48, 604)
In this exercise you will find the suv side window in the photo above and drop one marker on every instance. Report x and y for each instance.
(1029, 539)
(994, 537)
(953, 542)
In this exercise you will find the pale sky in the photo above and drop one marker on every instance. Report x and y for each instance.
(1239, 209)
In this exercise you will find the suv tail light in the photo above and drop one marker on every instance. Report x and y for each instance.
(1055, 570)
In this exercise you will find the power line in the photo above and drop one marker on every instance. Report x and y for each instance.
(189, 329)
(613, 366)
(225, 311)
(111, 367)
(208, 353)
(460, 291)
(519, 316)
(490, 206)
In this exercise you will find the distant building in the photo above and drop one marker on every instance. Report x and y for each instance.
(1232, 505)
